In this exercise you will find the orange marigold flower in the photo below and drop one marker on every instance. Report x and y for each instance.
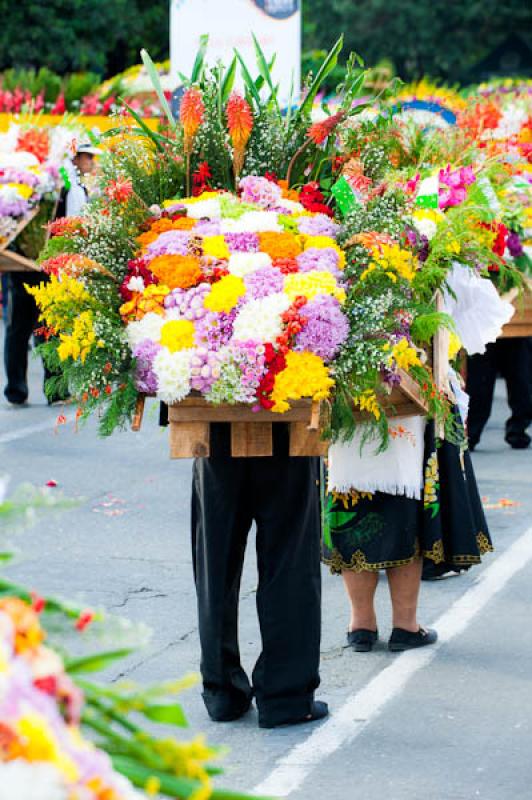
(240, 125)
(319, 131)
(184, 223)
(177, 272)
(161, 225)
(279, 245)
(191, 115)
(147, 238)
(289, 194)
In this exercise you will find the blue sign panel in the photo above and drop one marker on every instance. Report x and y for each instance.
(278, 9)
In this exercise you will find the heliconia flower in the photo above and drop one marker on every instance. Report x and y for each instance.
(191, 115)
(120, 190)
(319, 131)
(240, 125)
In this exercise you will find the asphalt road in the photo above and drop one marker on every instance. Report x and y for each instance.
(455, 724)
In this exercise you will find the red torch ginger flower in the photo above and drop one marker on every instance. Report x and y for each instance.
(319, 131)
(120, 190)
(240, 125)
(191, 115)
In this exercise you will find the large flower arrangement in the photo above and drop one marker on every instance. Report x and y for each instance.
(30, 163)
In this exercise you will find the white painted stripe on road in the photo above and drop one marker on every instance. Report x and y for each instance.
(361, 708)
(39, 427)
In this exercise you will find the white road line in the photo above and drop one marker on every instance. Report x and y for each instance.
(39, 427)
(361, 708)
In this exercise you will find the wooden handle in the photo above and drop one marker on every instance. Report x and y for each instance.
(139, 413)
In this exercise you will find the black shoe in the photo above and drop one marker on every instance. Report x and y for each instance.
(226, 711)
(318, 711)
(362, 640)
(407, 640)
(518, 441)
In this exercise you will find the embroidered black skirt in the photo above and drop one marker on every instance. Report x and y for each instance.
(447, 526)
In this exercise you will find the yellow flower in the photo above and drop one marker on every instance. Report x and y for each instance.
(60, 300)
(178, 334)
(367, 401)
(225, 294)
(78, 344)
(454, 345)
(215, 246)
(152, 786)
(404, 355)
(309, 284)
(23, 189)
(40, 744)
(305, 375)
(392, 258)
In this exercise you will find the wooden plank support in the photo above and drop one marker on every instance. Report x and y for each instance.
(189, 440)
(14, 262)
(136, 424)
(305, 441)
(250, 439)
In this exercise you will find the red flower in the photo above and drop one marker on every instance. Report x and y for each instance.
(84, 620)
(59, 106)
(191, 114)
(320, 131)
(37, 602)
(312, 199)
(120, 190)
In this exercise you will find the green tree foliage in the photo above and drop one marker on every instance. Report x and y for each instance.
(442, 38)
(76, 35)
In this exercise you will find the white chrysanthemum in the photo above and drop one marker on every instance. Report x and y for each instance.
(424, 226)
(241, 264)
(252, 222)
(291, 205)
(204, 208)
(260, 320)
(136, 284)
(31, 781)
(513, 118)
(149, 327)
(173, 372)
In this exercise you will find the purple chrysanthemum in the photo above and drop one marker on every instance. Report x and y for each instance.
(261, 191)
(242, 242)
(264, 282)
(326, 327)
(170, 243)
(145, 378)
(324, 259)
(318, 225)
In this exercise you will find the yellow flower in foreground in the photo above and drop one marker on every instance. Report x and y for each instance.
(215, 246)
(309, 284)
(177, 334)
(40, 744)
(60, 300)
(454, 345)
(392, 257)
(78, 344)
(225, 294)
(367, 401)
(404, 355)
(23, 189)
(305, 375)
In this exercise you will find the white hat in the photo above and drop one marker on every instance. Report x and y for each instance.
(89, 149)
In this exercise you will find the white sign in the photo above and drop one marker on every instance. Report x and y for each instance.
(229, 24)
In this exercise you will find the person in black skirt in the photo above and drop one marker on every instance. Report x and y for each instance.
(281, 496)
(364, 534)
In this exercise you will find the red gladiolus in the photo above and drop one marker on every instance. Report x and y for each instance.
(59, 106)
(120, 190)
(84, 620)
(320, 131)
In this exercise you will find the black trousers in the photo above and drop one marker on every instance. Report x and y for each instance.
(22, 319)
(281, 495)
(513, 359)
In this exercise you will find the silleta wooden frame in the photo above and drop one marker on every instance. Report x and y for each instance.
(14, 262)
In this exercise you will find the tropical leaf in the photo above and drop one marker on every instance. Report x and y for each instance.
(248, 80)
(144, 129)
(169, 714)
(199, 62)
(228, 80)
(265, 70)
(327, 66)
(156, 81)
(97, 661)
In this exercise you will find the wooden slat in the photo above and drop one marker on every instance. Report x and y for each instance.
(136, 423)
(249, 439)
(521, 322)
(305, 441)
(14, 262)
(195, 409)
(440, 350)
(20, 227)
(189, 440)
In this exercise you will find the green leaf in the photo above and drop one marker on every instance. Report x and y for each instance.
(199, 62)
(248, 80)
(154, 77)
(145, 130)
(265, 69)
(97, 661)
(228, 80)
(171, 714)
(170, 785)
(327, 66)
